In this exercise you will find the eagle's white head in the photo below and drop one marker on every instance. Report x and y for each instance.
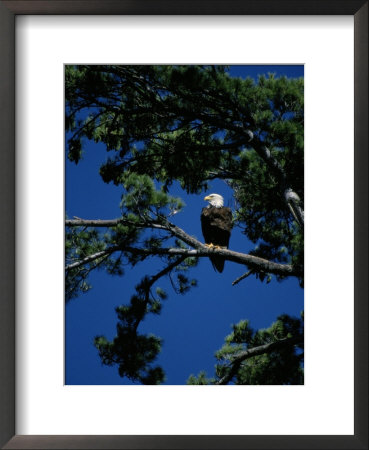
(215, 200)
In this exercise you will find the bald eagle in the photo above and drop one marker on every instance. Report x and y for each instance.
(216, 224)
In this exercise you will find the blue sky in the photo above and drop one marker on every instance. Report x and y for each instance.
(193, 326)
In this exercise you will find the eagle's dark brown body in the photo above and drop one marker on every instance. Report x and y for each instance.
(216, 224)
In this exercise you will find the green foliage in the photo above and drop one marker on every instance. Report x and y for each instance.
(201, 379)
(192, 124)
(81, 243)
(134, 353)
(280, 366)
(189, 125)
(142, 199)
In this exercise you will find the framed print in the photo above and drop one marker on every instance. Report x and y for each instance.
(45, 404)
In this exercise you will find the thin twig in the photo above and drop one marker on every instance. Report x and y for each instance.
(242, 277)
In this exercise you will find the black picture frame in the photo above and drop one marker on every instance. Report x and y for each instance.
(8, 11)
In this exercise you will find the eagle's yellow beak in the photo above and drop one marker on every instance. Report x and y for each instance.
(207, 198)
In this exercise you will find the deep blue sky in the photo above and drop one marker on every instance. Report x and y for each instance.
(193, 326)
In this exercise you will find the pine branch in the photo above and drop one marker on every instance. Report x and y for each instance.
(199, 249)
(255, 351)
(166, 270)
(92, 257)
(149, 282)
(292, 199)
(265, 154)
(78, 222)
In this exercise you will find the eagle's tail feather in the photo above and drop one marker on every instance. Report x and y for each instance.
(218, 263)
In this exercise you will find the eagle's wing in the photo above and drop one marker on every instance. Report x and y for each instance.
(216, 224)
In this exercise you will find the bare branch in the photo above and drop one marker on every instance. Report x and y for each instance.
(200, 249)
(242, 277)
(293, 202)
(91, 258)
(229, 255)
(166, 270)
(78, 222)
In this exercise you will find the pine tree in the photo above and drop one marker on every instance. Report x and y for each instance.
(190, 125)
